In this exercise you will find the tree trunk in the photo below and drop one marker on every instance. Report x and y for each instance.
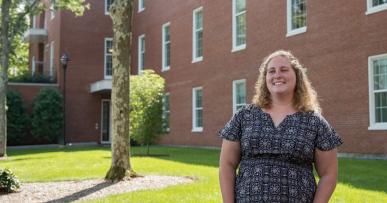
(121, 13)
(4, 58)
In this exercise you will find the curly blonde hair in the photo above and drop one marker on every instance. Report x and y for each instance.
(305, 97)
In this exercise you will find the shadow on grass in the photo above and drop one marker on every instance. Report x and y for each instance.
(82, 193)
(18, 152)
(364, 174)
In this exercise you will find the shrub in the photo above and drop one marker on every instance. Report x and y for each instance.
(17, 119)
(47, 115)
(8, 181)
(146, 93)
(27, 77)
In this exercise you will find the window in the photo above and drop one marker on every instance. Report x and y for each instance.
(197, 35)
(197, 109)
(166, 47)
(296, 10)
(238, 94)
(165, 115)
(52, 9)
(238, 25)
(106, 124)
(108, 58)
(141, 53)
(52, 52)
(108, 3)
(141, 5)
(377, 68)
(33, 67)
(374, 6)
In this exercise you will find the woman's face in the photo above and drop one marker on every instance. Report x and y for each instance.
(280, 76)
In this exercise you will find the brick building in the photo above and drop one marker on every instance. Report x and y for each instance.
(209, 53)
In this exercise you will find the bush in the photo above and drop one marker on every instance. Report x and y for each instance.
(146, 93)
(47, 115)
(8, 181)
(27, 77)
(17, 119)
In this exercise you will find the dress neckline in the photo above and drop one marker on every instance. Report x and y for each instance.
(283, 121)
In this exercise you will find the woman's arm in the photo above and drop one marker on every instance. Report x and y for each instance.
(229, 160)
(326, 166)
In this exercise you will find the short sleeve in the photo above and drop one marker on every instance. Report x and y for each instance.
(233, 130)
(327, 138)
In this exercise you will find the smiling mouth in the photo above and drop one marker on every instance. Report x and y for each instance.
(278, 83)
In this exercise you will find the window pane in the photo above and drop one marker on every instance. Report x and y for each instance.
(241, 29)
(166, 33)
(199, 20)
(298, 14)
(109, 65)
(105, 121)
(240, 93)
(109, 45)
(381, 107)
(199, 36)
(380, 74)
(199, 118)
(167, 54)
(198, 98)
(240, 6)
(378, 2)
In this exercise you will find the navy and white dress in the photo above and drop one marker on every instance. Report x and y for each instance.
(277, 162)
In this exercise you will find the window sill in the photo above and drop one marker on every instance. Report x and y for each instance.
(376, 9)
(107, 77)
(195, 60)
(296, 31)
(141, 10)
(165, 69)
(197, 130)
(239, 48)
(379, 126)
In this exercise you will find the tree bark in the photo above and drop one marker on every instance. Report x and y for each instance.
(121, 13)
(4, 58)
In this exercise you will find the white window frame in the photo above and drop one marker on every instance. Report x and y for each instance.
(34, 21)
(33, 66)
(105, 56)
(194, 108)
(141, 5)
(234, 94)
(196, 58)
(107, 7)
(236, 47)
(52, 52)
(290, 31)
(374, 9)
(167, 111)
(141, 54)
(164, 43)
(110, 122)
(373, 125)
(52, 9)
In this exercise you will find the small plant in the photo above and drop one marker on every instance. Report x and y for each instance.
(8, 181)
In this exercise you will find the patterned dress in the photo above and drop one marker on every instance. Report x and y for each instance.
(277, 162)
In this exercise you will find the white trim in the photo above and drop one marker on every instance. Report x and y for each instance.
(374, 9)
(373, 125)
(163, 47)
(194, 30)
(52, 9)
(234, 84)
(34, 21)
(110, 121)
(194, 108)
(101, 86)
(106, 9)
(236, 47)
(290, 31)
(105, 55)
(140, 52)
(33, 66)
(52, 52)
(141, 5)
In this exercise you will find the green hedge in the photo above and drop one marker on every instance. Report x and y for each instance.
(47, 116)
(17, 119)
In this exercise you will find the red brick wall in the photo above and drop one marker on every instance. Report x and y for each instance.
(335, 48)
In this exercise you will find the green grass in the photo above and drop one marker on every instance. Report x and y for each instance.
(359, 180)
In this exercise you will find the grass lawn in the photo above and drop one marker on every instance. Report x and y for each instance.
(359, 180)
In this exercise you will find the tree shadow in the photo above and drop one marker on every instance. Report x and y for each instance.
(83, 193)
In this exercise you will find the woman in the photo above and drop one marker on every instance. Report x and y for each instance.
(276, 140)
